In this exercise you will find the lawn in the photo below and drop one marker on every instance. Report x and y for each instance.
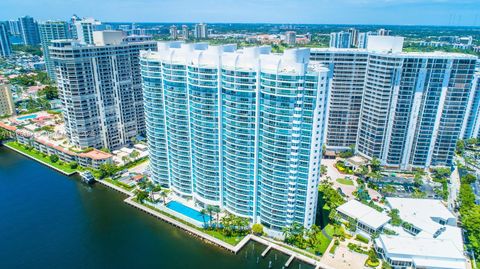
(324, 241)
(345, 181)
(38, 156)
(119, 184)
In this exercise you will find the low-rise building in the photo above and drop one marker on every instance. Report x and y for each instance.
(425, 253)
(369, 220)
(428, 238)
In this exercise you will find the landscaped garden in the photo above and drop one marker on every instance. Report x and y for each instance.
(51, 160)
(345, 181)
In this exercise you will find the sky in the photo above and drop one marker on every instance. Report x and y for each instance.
(402, 12)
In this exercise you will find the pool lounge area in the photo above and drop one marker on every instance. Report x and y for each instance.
(28, 117)
(188, 212)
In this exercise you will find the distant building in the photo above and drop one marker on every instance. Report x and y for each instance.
(173, 32)
(14, 27)
(7, 106)
(362, 40)
(201, 31)
(85, 28)
(72, 27)
(471, 125)
(52, 30)
(29, 31)
(5, 45)
(100, 89)
(340, 40)
(354, 37)
(185, 32)
(290, 38)
(383, 32)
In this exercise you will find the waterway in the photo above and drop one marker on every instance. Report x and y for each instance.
(48, 220)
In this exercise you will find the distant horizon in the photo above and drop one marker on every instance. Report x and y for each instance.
(317, 12)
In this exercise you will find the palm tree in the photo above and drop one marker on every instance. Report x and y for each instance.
(210, 210)
(204, 212)
(164, 194)
(216, 210)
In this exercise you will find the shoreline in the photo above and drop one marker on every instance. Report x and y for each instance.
(190, 230)
(40, 161)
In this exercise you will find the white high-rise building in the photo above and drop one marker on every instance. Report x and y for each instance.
(413, 105)
(100, 89)
(201, 31)
(84, 29)
(185, 32)
(340, 40)
(290, 38)
(173, 32)
(387, 102)
(354, 34)
(242, 130)
(52, 30)
(347, 69)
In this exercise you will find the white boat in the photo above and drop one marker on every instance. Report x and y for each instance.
(87, 177)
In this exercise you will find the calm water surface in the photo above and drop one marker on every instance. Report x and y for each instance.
(48, 220)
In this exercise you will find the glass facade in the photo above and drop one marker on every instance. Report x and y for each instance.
(239, 133)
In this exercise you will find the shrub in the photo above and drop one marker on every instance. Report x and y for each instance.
(257, 229)
(73, 165)
(53, 158)
(361, 238)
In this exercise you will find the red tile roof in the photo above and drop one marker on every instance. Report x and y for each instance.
(8, 127)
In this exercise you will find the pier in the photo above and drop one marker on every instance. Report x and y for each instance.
(289, 261)
(266, 250)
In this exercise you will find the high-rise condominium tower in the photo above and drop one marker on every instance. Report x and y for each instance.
(100, 89)
(29, 31)
(239, 129)
(471, 125)
(52, 30)
(185, 32)
(84, 29)
(340, 40)
(5, 45)
(201, 31)
(347, 70)
(413, 106)
(173, 32)
(14, 27)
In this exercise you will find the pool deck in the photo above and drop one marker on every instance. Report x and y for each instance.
(208, 238)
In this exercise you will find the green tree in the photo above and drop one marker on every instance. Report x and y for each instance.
(257, 229)
(141, 196)
(469, 179)
(375, 165)
(107, 169)
(73, 165)
(53, 158)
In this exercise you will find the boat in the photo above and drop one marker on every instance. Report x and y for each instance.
(87, 177)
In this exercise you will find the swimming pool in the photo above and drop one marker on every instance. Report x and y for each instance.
(188, 211)
(29, 117)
